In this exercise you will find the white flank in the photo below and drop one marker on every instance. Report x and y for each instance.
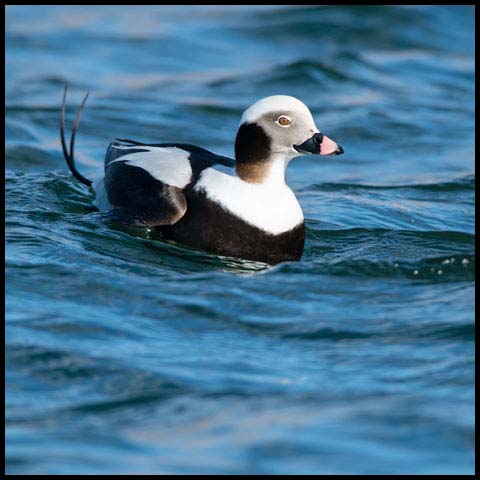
(270, 206)
(170, 165)
(101, 198)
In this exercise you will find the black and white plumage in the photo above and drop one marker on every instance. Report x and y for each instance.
(241, 208)
(144, 183)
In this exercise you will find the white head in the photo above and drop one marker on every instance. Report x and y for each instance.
(277, 129)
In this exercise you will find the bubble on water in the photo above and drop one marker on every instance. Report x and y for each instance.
(432, 269)
(440, 272)
(446, 261)
(395, 265)
(415, 272)
(452, 260)
(465, 261)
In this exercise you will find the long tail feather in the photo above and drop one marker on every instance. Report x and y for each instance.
(69, 158)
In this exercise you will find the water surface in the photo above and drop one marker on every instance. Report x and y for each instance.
(128, 355)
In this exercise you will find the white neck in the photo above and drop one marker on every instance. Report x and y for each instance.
(278, 166)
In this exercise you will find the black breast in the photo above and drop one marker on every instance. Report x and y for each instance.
(207, 226)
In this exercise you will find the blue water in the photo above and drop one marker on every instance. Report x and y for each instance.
(128, 355)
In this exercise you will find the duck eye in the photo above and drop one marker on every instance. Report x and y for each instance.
(284, 121)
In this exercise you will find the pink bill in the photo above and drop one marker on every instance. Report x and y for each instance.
(327, 147)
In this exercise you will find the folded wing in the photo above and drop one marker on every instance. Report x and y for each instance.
(145, 183)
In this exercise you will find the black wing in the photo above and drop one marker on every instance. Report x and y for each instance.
(145, 182)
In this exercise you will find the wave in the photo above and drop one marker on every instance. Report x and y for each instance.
(466, 182)
(38, 203)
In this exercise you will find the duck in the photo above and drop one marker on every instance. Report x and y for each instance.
(238, 207)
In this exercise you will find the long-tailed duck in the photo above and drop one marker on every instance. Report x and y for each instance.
(241, 208)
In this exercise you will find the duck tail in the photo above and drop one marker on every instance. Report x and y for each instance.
(69, 155)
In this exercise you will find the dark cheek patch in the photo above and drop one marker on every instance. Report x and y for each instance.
(252, 151)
